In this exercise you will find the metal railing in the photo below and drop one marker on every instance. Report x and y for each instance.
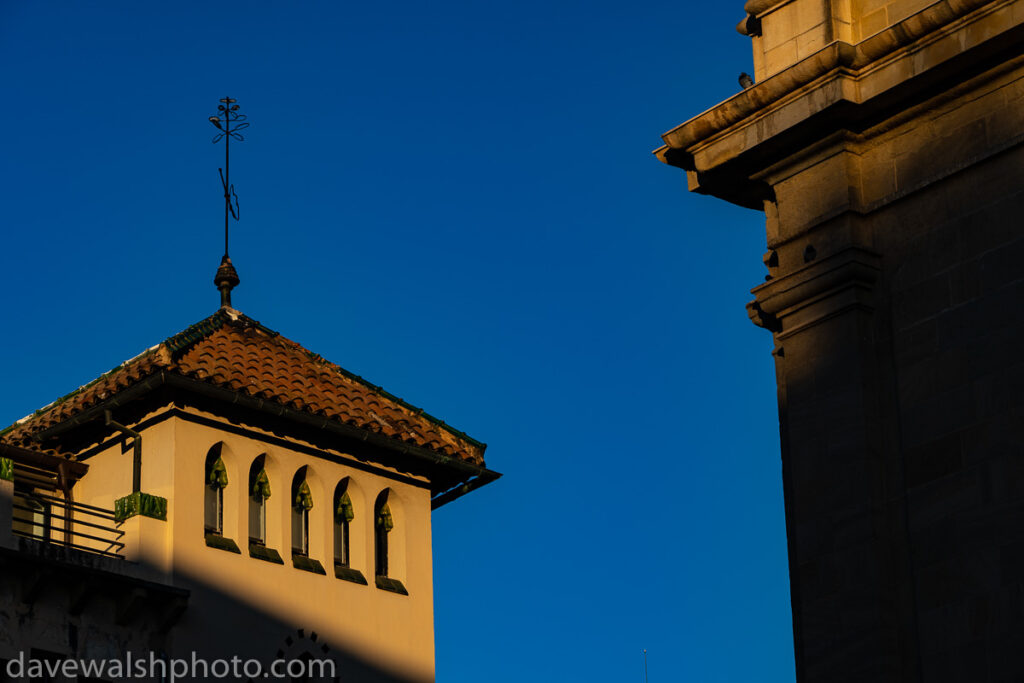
(75, 525)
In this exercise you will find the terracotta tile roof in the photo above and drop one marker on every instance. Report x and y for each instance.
(232, 351)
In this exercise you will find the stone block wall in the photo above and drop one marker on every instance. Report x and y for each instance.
(791, 30)
(958, 332)
(902, 391)
(890, 166)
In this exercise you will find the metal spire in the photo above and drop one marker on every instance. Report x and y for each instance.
(229, 122)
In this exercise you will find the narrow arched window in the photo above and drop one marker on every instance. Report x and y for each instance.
(344, 513)
(302, 503)
(215, 481)
(259, 492)
(383, 524)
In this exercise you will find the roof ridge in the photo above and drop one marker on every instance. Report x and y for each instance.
(246, 321)
(384, 393)
(420, 412)
(176, 345)
(181, 342)
(74, 392)
(417, 411)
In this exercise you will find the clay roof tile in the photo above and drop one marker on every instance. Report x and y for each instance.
(235, 352)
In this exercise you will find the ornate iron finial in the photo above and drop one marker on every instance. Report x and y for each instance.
(229, 122)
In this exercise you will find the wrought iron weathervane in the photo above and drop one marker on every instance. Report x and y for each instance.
(229, 122)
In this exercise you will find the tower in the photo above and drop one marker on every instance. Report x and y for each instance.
(225, 504)
(279, 508)
(882, 141)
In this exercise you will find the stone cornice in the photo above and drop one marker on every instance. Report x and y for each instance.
(754, 7)
(751, 24)
(837, 55)
(755, 99)
(817, 291)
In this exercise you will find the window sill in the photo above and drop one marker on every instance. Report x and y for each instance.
(348, 574)
(262, 552)
(222, 543)
(307, 564)
(393, 585)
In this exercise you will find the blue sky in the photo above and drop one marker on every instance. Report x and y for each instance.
(457, 201)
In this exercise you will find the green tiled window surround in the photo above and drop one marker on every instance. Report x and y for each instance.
(139, 503)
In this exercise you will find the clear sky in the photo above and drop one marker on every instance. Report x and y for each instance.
(457, 201)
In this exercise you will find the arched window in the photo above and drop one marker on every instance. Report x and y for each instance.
(383, 527)
(344, 513)
(302, 503)
(259, 491)
(215, 480)
(383, 523)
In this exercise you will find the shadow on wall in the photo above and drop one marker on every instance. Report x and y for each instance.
(900, 412)
(60, 604)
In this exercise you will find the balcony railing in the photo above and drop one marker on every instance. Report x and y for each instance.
(75, 525)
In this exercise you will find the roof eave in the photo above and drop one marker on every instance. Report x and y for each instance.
(469, 476)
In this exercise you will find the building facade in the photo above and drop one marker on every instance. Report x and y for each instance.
(228, 493)
(882, 141)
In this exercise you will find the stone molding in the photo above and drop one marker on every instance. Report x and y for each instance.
(755, 99)
(852, 59)
(816, 292)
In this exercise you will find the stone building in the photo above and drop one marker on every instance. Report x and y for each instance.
(228, 493)
(882, 140)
